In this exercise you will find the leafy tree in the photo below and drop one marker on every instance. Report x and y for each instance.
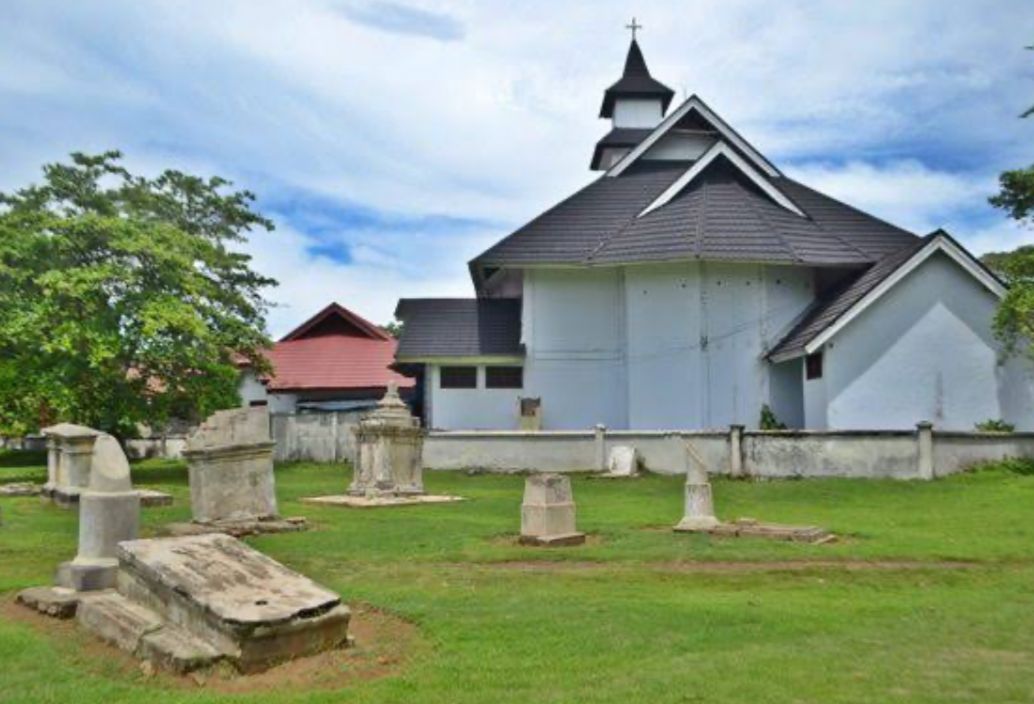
(1014, 321)
(394, 328)
(122, 300)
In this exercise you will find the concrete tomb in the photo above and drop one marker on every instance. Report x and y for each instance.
(69, 452)
(389, 460)
(548, 512)
(191, 602)
(389, 448)
(109, 512)
(230, 466)
(69, 462)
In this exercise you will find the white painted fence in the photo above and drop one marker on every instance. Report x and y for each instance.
(921, 454)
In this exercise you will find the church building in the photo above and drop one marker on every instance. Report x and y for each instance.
(692, 284)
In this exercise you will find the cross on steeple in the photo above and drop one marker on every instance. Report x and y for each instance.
(634, 26)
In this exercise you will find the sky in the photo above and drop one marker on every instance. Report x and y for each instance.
(391, 141)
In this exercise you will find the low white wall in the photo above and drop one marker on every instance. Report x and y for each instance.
(860, 454)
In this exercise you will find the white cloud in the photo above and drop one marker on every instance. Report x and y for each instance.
(487, 110)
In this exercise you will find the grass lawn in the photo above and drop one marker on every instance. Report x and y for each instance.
(637, 615)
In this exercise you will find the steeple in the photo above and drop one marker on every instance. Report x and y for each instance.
(638, 88)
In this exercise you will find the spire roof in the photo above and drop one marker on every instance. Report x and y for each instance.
(635, 82)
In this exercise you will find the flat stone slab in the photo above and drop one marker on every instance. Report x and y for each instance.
(226, 578)
(21, 489)
(51, 601)
(244, 604)
(237, 528)
(150, 498)
(548, 541)
(381, 501)
(749, 528)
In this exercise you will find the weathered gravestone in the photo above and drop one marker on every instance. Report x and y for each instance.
(622, 462)
(699, 506)
(230, 465)
(548, 512)
(109, 512)
(69, 453)
(389, 448)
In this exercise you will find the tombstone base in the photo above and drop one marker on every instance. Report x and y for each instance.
(62, 498)
(364, 501)
(749, 528)
(696, 524)
(238, 528)
(57, 602)
(547, 541)
(150, 498)
(88, 575)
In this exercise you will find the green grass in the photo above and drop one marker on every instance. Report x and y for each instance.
(626, 618)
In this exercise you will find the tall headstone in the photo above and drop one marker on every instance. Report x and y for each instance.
(230, 464)
(699, 507)
(548, 512)
(109, 513)
(69, 453)
(389, 450)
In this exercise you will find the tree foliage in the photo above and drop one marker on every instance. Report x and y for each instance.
(1014, 320)
(122, 298)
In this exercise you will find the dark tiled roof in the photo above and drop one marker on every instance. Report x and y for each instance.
(828, 310)
(635, 82)
(617, 137)
(459, 327)
(720, 215)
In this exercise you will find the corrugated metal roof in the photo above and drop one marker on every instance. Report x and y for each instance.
(459, 327)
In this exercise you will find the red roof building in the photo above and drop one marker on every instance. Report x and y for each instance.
(335, 360)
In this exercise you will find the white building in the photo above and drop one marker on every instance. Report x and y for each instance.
(692, 284)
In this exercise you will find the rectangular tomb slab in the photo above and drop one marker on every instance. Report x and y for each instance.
(247, 605)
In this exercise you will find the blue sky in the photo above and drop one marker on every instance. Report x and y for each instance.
(392, 141)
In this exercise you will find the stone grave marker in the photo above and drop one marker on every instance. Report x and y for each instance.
(548, 512)
(69, 453)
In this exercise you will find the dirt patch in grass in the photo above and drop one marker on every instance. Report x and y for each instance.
(729, 566)
(384, 644)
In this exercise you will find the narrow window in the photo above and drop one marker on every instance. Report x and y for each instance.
(504, 377)
(253, 404)
(813, 366)
(459, 377)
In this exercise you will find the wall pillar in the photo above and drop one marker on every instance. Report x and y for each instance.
(735, 450)
(924, 440)
(601, 449)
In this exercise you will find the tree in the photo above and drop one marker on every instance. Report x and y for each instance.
(122, 300)
(1014, 320)
(394, 328)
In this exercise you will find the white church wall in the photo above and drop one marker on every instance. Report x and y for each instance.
(636, 113)
(250, 388)
(925, 351)
(677, 146)
(573, 332)
(471, 409)
(662, 305)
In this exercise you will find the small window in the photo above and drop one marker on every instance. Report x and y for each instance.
(459, 377)
(504, 377)
(263, 402)
(813, 366)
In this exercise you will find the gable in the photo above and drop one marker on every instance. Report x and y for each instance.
(830, 316)
(721, 150)
(696, 118)
(336, 320)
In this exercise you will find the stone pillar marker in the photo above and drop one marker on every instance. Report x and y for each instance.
(109, 513)
(735, 450)
(699, 506)
(230, 461)
(548, 512)
(389, 450)
(69, 452)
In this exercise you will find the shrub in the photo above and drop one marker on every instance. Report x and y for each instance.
(769, 420)
(995, 425)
